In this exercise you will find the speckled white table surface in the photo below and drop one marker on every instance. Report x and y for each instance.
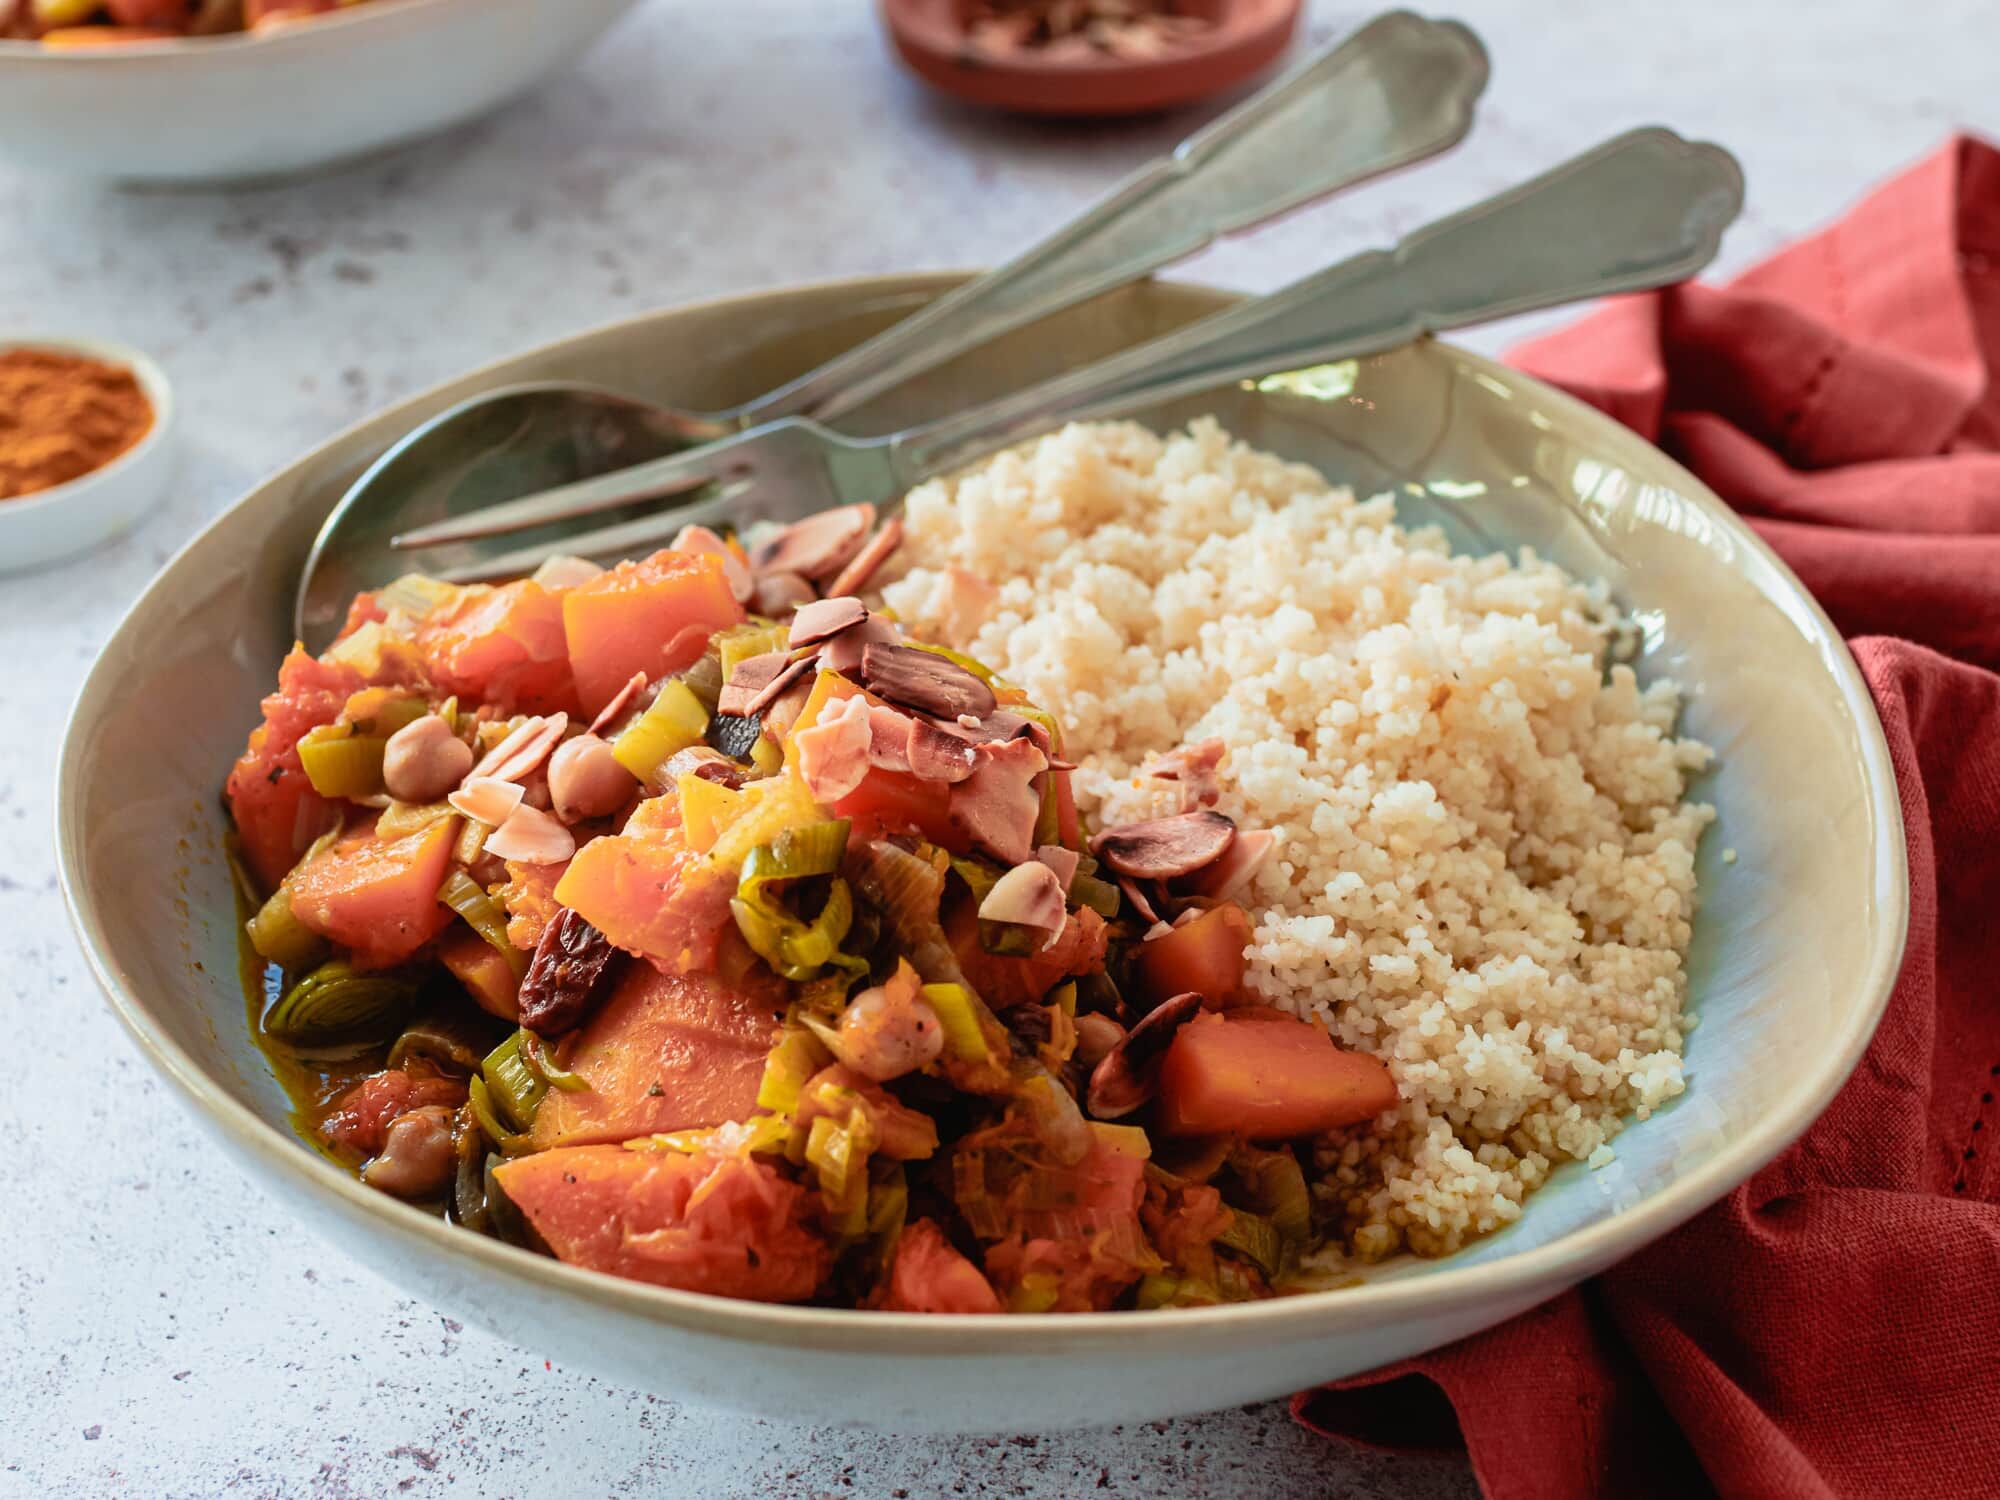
(163, 1330)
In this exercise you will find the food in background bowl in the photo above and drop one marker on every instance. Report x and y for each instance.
(97, 23)
(1178, 883)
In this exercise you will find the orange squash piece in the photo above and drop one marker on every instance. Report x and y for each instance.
(929, 1276)
(1204, 955)
(652, 616)
(377, 897)
(503, 646)
(666, 1052)
(483, 970)
(733, 1227)
(650, 894)
(1267, 1079)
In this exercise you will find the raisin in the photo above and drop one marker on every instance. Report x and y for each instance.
(570, 967)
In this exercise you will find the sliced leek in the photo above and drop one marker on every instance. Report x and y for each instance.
(482, 914)
(675, 720)
(962, 1035)
(516, 1088)
(279, 936)
(341, 763)
(335, 1002)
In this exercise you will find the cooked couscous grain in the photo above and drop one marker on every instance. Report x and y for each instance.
(1485, 866)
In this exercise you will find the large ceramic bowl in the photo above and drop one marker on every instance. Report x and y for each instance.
(239, 108)
(1795, 950)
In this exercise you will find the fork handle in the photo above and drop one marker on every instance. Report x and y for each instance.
(1642, 210)
(1399, 90)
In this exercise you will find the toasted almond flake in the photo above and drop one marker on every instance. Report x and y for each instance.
(487, 799)
(843, 653)
(532, 838)
(825, 618)
(924, 681)
(936, 754)
(620, 701)
(833, 751)
(1162, 848)
(701, 539)
(776, 595)
(889, 733)
(522, 750)
(1062, 861)
(752, 675)
(778, 686)
(880, 547)
(1141, 903)
(1241, 860)
(1029, 895)
(820, 545)
(997, 805)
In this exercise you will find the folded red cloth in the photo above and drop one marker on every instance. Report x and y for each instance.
(1833, 1326)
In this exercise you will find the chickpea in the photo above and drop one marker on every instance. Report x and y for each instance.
(586, 781)
(416, 1159)
(888, 1031)
(424, 759)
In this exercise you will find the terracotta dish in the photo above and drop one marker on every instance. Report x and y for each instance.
(1243, 37)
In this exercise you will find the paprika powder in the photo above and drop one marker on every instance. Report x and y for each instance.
(63, 415)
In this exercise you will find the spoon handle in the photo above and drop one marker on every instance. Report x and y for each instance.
(1397, 91)
(1644, 209)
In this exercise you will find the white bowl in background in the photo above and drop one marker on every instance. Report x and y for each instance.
(46, 525)
(1795, 949)
(245, 107)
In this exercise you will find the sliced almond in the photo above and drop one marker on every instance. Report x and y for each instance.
(487, 799)
(531, 837)
(517, 756)
(879, 549)
(825, 618)
(1162, 848)
(819, 546)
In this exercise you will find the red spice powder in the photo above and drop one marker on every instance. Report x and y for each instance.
(61, 416)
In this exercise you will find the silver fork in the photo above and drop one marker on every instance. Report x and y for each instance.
(1641, 210)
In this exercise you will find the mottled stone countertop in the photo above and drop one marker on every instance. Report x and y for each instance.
(163, 1330)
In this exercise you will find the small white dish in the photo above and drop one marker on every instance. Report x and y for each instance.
(42, 527)
(254, 107)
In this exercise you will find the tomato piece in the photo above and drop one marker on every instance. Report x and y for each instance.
(731, 1227)
(503, 646)
(277, 812)
(929, 1276)
(1204, 955)
(1266, 1080)
(891, 802)
(652, 616)
(377, 897)
(665, 1052)
(359, 1119)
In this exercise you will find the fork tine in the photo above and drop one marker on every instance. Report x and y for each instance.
(658, 479)
(625, 536)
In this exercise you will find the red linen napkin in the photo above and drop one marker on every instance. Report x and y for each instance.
(1832, 1328)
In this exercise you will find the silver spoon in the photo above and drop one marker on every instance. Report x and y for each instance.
(1641, 210)
(1397, 91)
